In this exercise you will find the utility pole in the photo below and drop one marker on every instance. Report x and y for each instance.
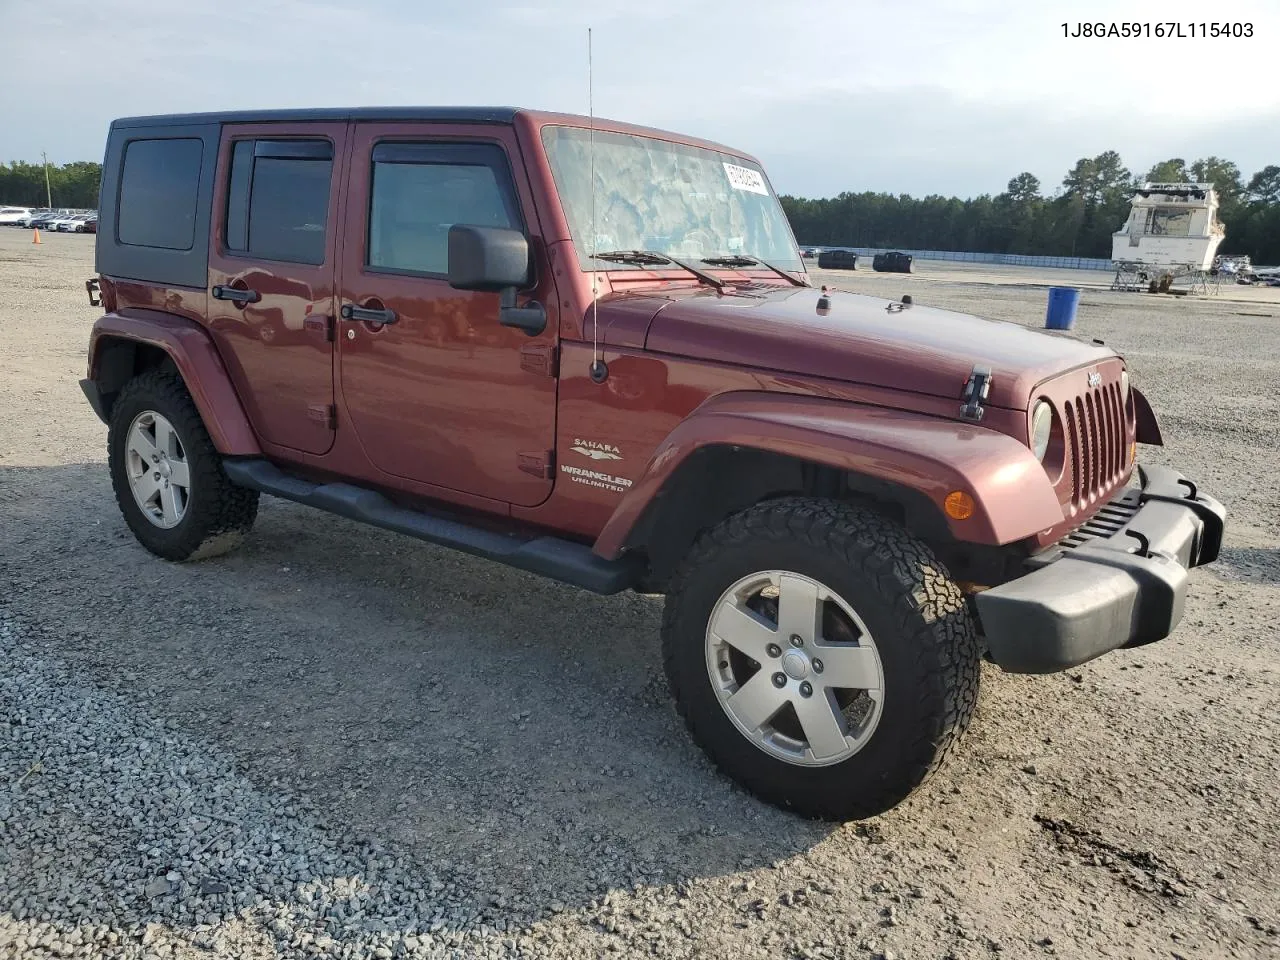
(48, 191)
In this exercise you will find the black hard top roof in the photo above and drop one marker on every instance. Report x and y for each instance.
(495, 115)
(438, 114)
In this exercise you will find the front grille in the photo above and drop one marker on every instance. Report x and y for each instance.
(1096, 437)
(1107, 522)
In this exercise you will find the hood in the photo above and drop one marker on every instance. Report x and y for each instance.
(857, 339)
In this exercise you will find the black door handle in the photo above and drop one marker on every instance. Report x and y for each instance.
(235, 295)
(368, 314)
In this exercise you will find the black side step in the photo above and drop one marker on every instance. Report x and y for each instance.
(552, 557)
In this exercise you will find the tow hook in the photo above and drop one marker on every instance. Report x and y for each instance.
(1144, 544)
(975, 393)
(95, 298)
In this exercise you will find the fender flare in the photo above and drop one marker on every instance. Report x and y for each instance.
(1147, 427)
(1013, 497)
(192, 351)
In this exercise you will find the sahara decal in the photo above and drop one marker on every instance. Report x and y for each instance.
(596, 450)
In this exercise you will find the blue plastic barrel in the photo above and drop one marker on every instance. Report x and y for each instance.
(1061, 314)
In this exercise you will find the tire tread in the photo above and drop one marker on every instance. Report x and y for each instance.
(931, 614)
(224, 512)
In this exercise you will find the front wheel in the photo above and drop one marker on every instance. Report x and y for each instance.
(820, 655)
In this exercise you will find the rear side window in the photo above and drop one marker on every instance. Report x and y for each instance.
(158, 189)
(278, 199)
(420, 190)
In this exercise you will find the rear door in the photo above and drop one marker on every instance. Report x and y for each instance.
(443, 394)
(272, 275)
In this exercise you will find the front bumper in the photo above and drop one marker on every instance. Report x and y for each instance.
(1118, 582)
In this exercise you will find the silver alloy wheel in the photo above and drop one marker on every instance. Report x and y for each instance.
(795, 668)
(156, 466)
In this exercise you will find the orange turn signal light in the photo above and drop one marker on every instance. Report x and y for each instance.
(959, 505)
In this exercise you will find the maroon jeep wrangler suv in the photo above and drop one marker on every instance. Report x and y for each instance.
(591, 351)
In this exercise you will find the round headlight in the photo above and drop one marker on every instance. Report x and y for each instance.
(1041, 427)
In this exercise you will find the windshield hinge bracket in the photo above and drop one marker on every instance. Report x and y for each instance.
(976, 389)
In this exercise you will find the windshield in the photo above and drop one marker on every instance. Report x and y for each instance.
(668, 198)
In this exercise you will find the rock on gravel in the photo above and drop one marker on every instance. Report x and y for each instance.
(171, 843)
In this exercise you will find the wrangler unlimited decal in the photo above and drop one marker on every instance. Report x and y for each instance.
(594, 478)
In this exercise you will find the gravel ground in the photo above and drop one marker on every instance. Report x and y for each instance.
(337, 742)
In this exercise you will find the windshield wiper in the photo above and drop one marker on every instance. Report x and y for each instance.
(650, 258)
(737, 260)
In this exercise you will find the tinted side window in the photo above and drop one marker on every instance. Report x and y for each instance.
(420, 190)
(237, 237)
(278, 199)
(158, 188)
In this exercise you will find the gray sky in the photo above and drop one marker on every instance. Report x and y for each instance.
(926, 96)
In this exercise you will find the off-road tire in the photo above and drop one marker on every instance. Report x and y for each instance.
(917, 616)
(218, 513)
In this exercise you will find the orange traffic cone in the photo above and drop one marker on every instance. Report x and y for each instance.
(35, 235)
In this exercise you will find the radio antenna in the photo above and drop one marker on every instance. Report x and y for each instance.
(598, 369)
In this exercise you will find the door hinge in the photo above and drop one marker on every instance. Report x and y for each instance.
(325, 413)
(537, 464)
(320, 323)
(540, 358)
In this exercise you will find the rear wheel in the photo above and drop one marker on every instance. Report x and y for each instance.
(821, 656)
(167, 475)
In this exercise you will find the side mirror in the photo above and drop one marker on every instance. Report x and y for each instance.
(496, 260)
(487, 258)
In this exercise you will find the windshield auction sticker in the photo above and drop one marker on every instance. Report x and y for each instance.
(744, 178)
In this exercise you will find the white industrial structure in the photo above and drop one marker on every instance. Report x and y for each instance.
(1173, 226)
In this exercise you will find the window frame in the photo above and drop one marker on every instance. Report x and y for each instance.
(499, 163)
(273, 147)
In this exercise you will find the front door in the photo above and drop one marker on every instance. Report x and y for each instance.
(271, 275)
(441, 393)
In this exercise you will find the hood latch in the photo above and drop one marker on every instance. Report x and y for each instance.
(975, 393)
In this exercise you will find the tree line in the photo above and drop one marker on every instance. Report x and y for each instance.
(71, 185)
(1077, 221)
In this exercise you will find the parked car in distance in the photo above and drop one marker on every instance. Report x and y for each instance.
(837, 260)
(78, 223)
(54, 220)
(407, 316)
(70, 224)
(45, 220)
(90, 225)
(29, 220)
(13, 216)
